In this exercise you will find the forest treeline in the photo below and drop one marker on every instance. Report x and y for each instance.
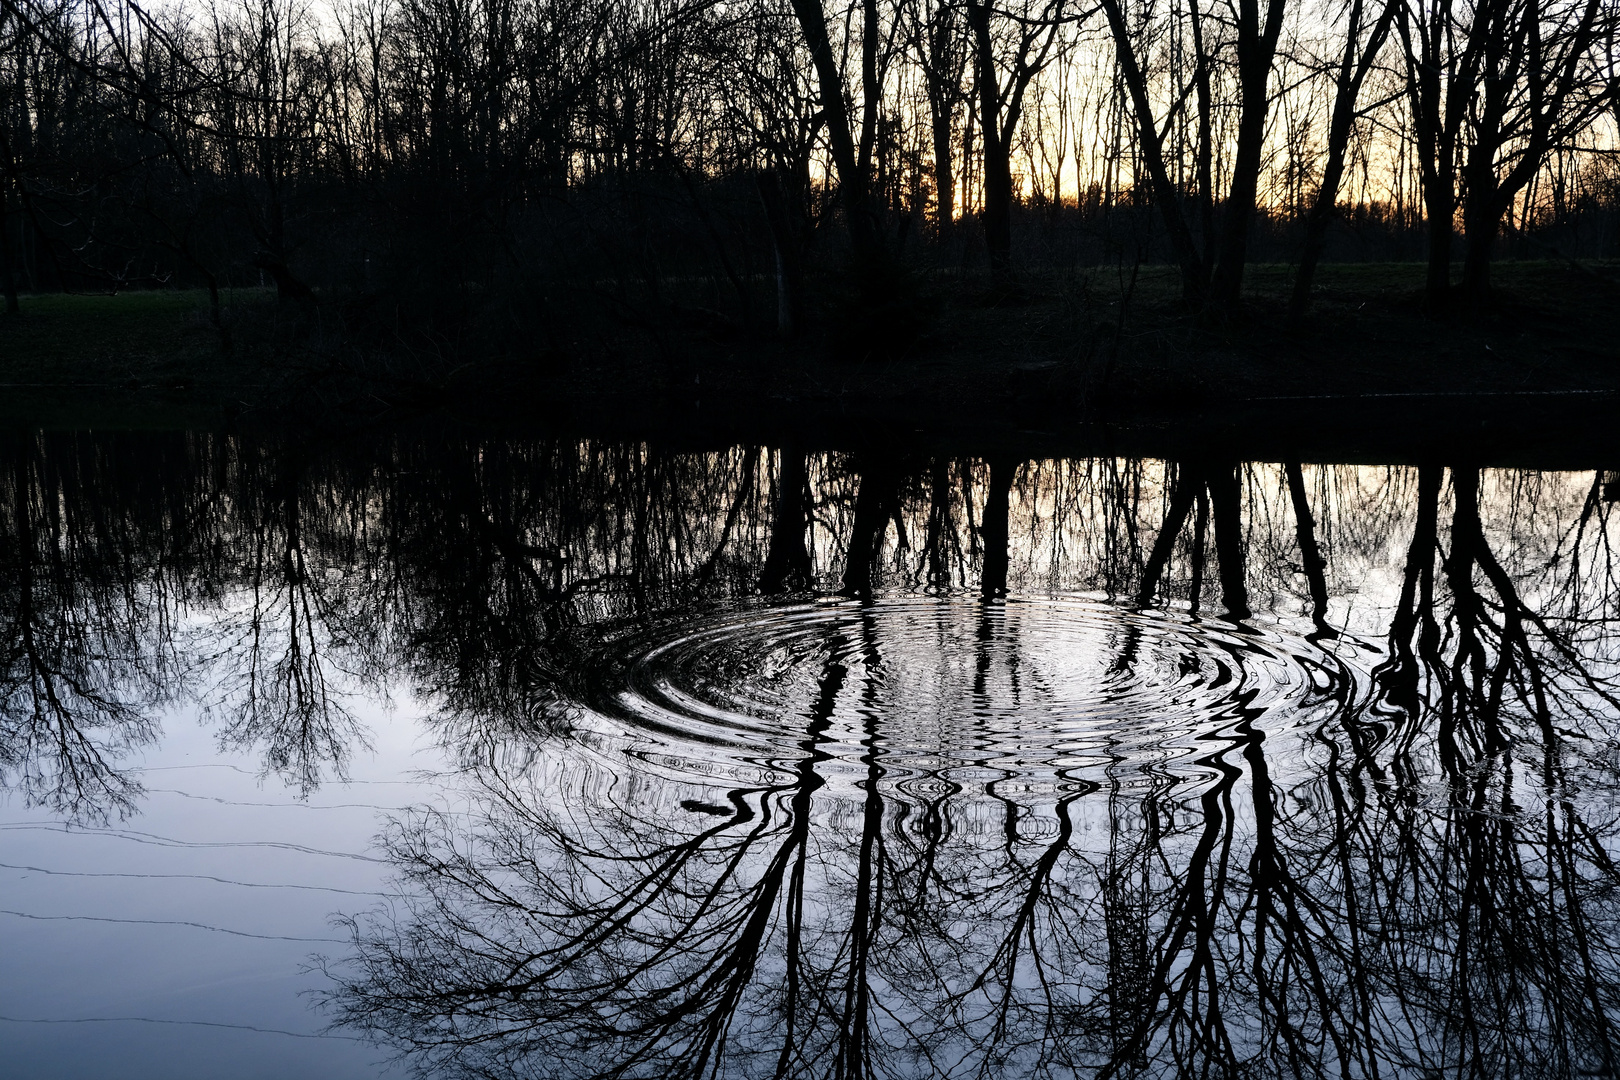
(451, 165)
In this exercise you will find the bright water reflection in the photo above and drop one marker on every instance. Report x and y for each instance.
(1037, 795)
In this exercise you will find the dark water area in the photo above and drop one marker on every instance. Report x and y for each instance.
(549, 757)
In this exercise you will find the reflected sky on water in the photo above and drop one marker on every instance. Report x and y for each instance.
(557, 758)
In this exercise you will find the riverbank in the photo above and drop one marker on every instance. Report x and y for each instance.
(1049, 358)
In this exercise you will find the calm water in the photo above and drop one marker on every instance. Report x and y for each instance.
(555, 758)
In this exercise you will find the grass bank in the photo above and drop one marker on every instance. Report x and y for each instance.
(159, 358)
(1053, 352)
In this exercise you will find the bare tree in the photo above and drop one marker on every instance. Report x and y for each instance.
(1030, 34)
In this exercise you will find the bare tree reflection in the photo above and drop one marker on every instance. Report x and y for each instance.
(1203, 485)
(787, 563)
(873, 908)
(572, 965)
(79, 677)
(996, 528)
(1402, 872)
(877, 502)
(1310, 553)
(276, 688)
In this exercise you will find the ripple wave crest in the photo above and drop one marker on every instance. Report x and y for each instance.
(945, 695)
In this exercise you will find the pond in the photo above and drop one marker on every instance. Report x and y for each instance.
(532, 756)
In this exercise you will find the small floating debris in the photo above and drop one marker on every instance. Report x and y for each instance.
(706, 808)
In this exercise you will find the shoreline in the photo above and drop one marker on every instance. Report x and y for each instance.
(1367, 375)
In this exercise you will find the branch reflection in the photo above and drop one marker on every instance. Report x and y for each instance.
(1014, 806)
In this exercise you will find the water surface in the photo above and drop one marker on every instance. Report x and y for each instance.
(559, 758)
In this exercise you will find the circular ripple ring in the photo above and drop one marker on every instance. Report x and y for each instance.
(941, 695)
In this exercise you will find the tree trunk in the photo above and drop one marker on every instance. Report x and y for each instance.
(942, 71)
(1257, 48)
(1480, 228)
(1316, 225)
(1439, 206)
(215, 314)
(785, 244)
(1483, 204)
(8, 280)
(1435, 147)
(1344, 114)
(1194, 278)
(997, 154)
(853, 183)
(944, 172)
(1206, 144)
(997, 206)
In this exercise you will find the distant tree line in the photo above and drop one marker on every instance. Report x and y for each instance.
(456, 161)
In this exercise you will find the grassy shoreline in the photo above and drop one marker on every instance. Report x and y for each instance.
(1059, 353)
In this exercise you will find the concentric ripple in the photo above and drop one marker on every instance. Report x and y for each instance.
(942, 695)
